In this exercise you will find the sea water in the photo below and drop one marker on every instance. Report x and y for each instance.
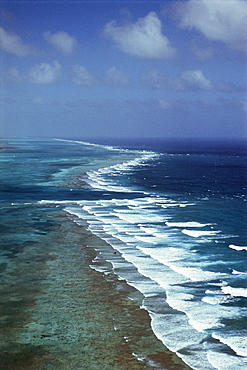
(175, 214)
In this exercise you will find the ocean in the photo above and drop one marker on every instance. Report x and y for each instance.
(172, 215)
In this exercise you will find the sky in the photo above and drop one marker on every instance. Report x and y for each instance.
(120, 69)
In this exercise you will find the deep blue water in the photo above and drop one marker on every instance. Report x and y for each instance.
(175, 212)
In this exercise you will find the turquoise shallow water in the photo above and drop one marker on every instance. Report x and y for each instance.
(174, 218)
(55, 311)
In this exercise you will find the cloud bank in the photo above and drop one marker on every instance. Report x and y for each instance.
(217, 20)
(143, 38)
(189, 80)
(194, 80)
(12, 43)
(61, 41)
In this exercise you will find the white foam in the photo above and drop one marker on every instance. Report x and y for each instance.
(148, 230)
(74, 211)
(223, 361)
(109, 147)
(198, 233)
(237, 247)
(166, 267)
(215, 298)
(130, 229)
(147, 239)
(136, 218)
(186, 224)
(110, 228)
(174, 331)
(124, 238)
(106, 185)
(138, 202)
(132, 218)
(99, 178)
(165, 255)
(123, 211)
(168, 205)
(237, 342)
(196, 274)
(201, 316)
(43, 201)
(235, 292)
(235, 272)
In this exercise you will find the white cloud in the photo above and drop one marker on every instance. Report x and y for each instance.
(83, 76)
(12, 43)
(188, 80)
(62, 41)
(45, 73)
(194, 80)
(219, 20)
(115, 77)
(143, 38)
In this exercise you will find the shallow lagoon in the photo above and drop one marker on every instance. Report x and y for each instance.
(57, 312)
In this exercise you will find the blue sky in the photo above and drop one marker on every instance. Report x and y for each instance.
(84, 69)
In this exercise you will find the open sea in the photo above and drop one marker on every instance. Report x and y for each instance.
(173, 214)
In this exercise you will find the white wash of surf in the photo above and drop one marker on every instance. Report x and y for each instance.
(100, 178)
(196, 233)
(169, 264)
(238, 247)
(194, 225)
(86, 143)
(234, 292)
(97, 174)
